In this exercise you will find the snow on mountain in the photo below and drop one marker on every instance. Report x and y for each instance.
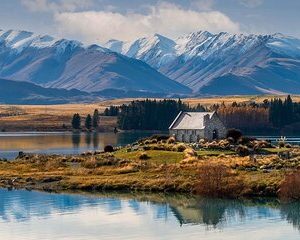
(155, 50)
(61, 63)
(207, 62)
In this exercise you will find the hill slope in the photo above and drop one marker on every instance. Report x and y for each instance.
(16, 92)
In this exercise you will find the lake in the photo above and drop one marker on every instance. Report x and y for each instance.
(62, 142)
(75, 143)
(38, 215)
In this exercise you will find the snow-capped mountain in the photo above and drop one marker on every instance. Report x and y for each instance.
(156, 50)
(222, 63)
(61, 63)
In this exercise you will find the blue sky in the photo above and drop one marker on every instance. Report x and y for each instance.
(96, 21)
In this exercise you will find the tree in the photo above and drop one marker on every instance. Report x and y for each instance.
(235, 134)
(88, 122)
(76, 121)
(96, 119)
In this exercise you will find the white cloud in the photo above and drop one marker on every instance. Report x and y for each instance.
(167, 19)
(56, 6)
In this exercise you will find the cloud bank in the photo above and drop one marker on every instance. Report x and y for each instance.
(73, 18)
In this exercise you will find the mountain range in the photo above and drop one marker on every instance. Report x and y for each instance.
(199, 63)
(61, 63)
(223, 63)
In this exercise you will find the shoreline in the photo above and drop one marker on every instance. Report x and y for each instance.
(160, 164)
(58, 173)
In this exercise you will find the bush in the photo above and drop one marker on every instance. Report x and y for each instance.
(242, 151)
(189, 152)
(217, 181)
(235, 134)
(171, 140)
(108, 149)
(180, 147)
(246, 140)
(281, 144)
(160, 137)
(290, 187)
(144, 156)
(224, 144)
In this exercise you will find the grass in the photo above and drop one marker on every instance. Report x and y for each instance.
(155, 156)
(155, 167)
(214, 152)
(275, 150)
(162, 157)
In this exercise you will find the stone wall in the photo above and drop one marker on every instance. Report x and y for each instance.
(195, 135)
(187, 135)
(215, 124)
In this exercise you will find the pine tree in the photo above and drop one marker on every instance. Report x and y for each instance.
(88, 122)
(76, 121)
(96, 119)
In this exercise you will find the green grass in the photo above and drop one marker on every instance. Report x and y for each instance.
(275, 150)
(161, 157)
(214, 152)
(156, 156)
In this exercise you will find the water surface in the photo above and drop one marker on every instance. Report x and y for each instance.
(62, 142)
(36, 215)
(75, 143)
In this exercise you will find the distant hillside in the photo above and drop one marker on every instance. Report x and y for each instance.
(15, 92)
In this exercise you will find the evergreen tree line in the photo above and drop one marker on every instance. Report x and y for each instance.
(284, 112)
(91, 122)
(151, 114)
(112, 111)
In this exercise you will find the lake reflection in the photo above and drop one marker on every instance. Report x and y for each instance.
(63, 143)
(36, 215)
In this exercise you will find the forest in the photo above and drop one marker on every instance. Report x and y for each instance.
(268, 116)
(151, 114)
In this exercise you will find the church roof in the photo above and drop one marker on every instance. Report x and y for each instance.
(190, 120)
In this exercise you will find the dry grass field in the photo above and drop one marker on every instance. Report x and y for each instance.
(58, 117)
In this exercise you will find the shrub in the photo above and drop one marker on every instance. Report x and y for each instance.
(189, 160)
(160, 137)
(242, 151)
(224, 144)
(108, 149)
(217, 181)
(180, 147)
(244, 140)
(144, 156)
(90, 163)
(235, 134)
(189, 152)
(171, 140)
(290, 187)
(281, 144)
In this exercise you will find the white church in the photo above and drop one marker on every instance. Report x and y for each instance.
(193, 126)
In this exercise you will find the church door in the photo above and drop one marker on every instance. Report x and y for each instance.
(215, 134)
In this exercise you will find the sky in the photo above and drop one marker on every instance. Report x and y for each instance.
(97, 21)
